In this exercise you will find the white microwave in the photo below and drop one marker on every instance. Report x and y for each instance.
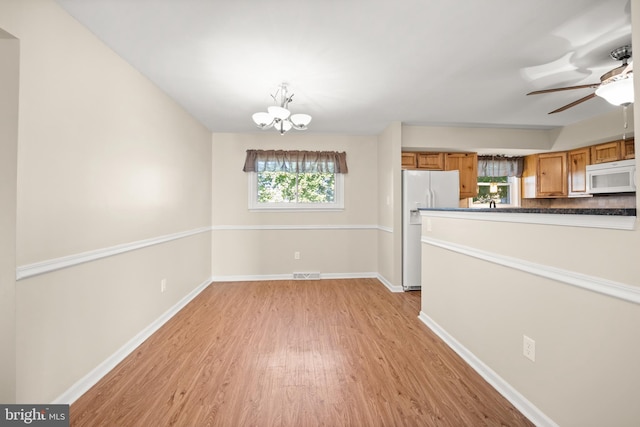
(612, 177)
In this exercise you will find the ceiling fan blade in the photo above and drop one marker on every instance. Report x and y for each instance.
(558, 89)
(574, 103)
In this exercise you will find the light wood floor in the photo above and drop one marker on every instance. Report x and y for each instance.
(295, 353)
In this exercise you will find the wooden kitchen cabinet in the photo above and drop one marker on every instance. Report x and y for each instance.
(607, 152)
(577, 163)
(552, 175)
(467, 165)
(409, 160)
(545, 175)
(431, 161)
(628, 149)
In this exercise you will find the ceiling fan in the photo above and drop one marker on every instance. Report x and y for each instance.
(616, 86)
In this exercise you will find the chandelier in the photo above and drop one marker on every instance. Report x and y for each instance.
(278, 116)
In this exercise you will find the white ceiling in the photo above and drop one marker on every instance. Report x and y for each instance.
(357, 65)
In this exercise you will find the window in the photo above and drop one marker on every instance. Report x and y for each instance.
(508, 193)
(295, 180)
(506, 173)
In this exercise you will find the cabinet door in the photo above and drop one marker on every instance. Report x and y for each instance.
(607, 152)
(552, 175)
(467, 165)
(431, 161)
(628, 149)
(578, 161)
(529, 174)
(409, 160)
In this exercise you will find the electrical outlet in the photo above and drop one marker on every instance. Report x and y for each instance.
(296, 255)
(163, 285)
(529, 348)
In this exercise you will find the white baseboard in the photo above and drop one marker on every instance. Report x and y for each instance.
(527, 408)
(289, 276)
(388, 284)
(89, 380)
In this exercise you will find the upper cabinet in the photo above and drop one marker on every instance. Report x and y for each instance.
(409, 160)
(545, 175)
(628, 149)
(467, 165)
(431, 161)
(607, 152)
(613, 151)
(577, 161)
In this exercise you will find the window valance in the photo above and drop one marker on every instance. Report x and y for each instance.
(295, 161)
(500, 166)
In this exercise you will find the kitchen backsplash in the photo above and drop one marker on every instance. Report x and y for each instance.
(626, 201)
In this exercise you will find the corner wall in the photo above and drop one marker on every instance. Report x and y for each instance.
(390, 206)
(113, 195)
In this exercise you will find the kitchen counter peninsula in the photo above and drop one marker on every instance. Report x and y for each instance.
(615, 218)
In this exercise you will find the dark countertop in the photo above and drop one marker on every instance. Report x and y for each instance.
(555, 211)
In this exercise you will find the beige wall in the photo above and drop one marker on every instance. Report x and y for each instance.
(104, 159)
(585, 373)
(438, 138)
(9, 58)
(258, 244)
(607, 127)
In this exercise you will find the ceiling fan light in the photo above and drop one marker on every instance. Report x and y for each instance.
(300, 121)
(263, 120)
(278, 112)
(617, 92)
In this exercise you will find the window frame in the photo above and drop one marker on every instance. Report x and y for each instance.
(514, 193)
(254, 205)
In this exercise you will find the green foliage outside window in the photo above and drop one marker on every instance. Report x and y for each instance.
(286, 187)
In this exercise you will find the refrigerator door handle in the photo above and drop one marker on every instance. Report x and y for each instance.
(433, 198)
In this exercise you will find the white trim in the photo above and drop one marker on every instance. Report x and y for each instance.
(295, 227)
(289, 276)
(389, 285)
(615, 222)
(97, 373)
(24, 271)
(527, 408)
(591, 283)
(385, 229)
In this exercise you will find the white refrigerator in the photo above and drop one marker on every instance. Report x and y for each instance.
(422, 189)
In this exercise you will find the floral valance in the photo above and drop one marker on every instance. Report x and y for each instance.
(500, 166)
(295, 161)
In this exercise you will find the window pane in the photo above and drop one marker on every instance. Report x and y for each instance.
(276, 187)
(316, 188)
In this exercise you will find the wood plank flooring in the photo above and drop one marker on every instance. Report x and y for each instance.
(295, 353)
